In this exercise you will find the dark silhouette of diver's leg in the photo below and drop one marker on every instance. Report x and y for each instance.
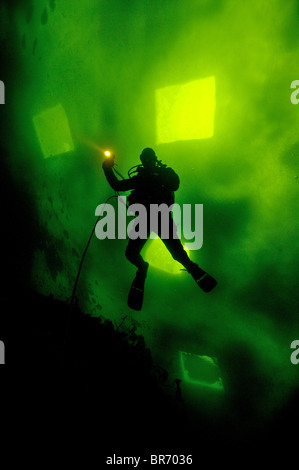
(133, 253)
(178, 253)
(176, 249)
(201, 277)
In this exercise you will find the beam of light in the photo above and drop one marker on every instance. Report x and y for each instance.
(53, 132)
(96, 147)
(186, 112)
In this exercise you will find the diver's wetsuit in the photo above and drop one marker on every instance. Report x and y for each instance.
(152, 187)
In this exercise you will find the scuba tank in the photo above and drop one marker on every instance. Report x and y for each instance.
(149, 189)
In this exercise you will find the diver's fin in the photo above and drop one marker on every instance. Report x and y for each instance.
(204, 280)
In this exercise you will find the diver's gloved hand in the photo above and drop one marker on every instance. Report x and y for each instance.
(108, 162)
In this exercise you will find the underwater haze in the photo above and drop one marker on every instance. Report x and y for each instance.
(206, 84)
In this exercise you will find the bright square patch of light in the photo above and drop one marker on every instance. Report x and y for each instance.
(186, 112)
(53, 131)
(200, 370)
(157, 255)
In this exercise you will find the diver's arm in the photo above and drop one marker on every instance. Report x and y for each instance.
(170, 179)
(116, 184)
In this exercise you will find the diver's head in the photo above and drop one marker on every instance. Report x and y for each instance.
(148, 158)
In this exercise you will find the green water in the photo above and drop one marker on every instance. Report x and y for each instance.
(102, 65)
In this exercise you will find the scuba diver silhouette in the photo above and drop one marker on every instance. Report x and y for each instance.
(153, 183)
